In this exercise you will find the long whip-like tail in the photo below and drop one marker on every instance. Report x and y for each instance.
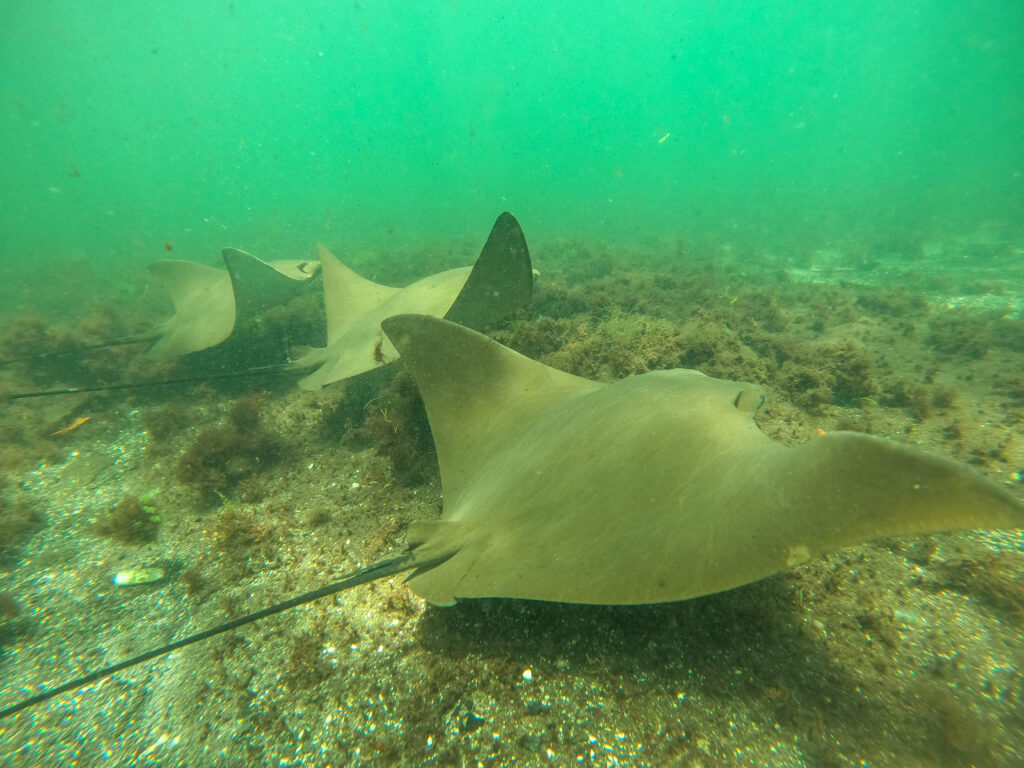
(378, 570)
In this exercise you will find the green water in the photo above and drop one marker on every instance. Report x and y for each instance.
(873, 149)
(270, 125)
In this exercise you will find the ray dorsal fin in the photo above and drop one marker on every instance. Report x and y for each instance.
(501, 280)
(347, 295)
(188, 282)
(474, 389)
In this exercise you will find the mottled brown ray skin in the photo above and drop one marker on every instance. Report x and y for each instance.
(207, 300)
(499, 283)
(654, 488)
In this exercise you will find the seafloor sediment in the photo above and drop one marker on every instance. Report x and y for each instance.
(902, 652)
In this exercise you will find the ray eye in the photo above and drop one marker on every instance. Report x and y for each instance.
(748, 401)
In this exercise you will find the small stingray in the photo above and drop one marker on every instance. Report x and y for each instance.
(500, 282)
(653, 488)
(208, 301)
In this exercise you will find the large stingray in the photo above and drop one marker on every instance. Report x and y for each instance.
(208, 301)
(499, 283)
(654, 488)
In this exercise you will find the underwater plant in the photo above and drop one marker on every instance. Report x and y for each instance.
(396, 425)
(133, 520)
(223, 456)
(19, 520)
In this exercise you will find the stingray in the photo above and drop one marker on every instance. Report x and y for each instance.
(209, 302)
(211, 306)
(500, 282)
(654, 488)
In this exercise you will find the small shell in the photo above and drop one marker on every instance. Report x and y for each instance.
(135, 576)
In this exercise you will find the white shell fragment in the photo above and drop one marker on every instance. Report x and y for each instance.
(134, 576)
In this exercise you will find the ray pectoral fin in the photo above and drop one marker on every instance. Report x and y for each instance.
(347, 295)
(422, 531)
(433, 543)
(473, 388)
(204, 304)
(845, 488)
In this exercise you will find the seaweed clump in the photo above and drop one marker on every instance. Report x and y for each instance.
(619, 345)
(715, 349)
(58, 351)
(241, 535)
(30, 337)
(893, 302)
(835, 375)
(912, 398)
(994, 578)
(396, 424)
(130, 521)
(164, 421)
(238, 529)
(808, 386)
(853, 375)
(12, 623)
(308, 665)
(225, 456)
(18, 522)
(1009, 333)
(960, 332)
